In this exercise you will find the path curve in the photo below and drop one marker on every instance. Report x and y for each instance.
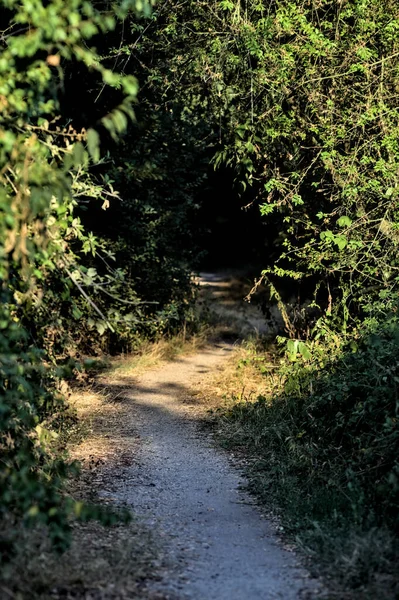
(219, 545)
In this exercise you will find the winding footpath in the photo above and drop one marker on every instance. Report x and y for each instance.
(218, 543)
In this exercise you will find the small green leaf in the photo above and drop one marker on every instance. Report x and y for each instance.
(344, 221)
(340, 241)
(93, 144)
(304, 351)
(100, 326)
(78, 154)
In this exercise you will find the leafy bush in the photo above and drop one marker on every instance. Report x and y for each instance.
(327, 447)
(44, 169)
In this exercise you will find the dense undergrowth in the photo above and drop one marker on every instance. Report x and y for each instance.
(325, 443)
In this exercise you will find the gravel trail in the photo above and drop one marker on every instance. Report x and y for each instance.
(219, 545)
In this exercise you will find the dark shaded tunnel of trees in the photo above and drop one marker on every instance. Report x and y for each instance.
(146, 141)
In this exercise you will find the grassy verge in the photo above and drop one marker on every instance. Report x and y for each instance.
(323, 445)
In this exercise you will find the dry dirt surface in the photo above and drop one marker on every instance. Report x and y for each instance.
(217, 543)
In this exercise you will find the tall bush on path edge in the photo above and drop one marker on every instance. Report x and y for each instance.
(43, 163)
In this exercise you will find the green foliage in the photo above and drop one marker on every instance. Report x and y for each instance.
(44, 170)
(29, 475)
(345, 423)
(326, 443)
(302, 98)
(154, 227)
(94, 255)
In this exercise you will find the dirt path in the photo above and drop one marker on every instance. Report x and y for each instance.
(218, 544)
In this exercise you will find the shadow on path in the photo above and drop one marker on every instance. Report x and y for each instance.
(219, 545)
